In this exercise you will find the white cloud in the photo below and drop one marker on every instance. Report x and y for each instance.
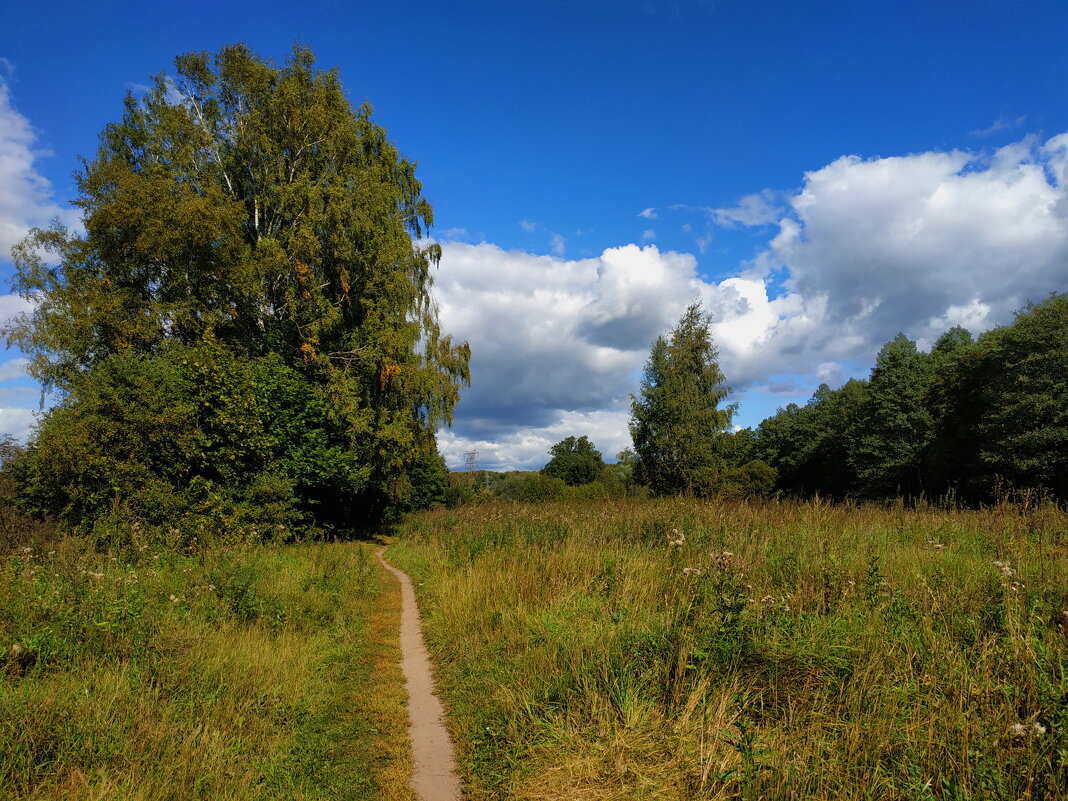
(866, 248)
(14, 368)
(649, 214)
(557, 244)
(752, 210)
(528, 225)
(648, 234)
(1002, 123)
(558, 345)
(528, 448)
(17, 423)
(25, 195)
(11, 305)
(917, 242)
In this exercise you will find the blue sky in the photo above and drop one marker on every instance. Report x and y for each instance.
(822, 175)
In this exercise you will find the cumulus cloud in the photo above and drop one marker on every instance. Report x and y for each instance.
(648, 234)
(25, 195)
(14, 368)
(649, 214)
(558, 345)
(557, 244)
(919, 242)
(528, 448)
(12, 305)
(864, 249)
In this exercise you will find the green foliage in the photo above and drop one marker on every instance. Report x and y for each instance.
(530, 487)
(263, 218)
(678, 428)
(968, 421)
(1020, 375)
(809, 445)
(893, 426)
(754, 479)
(575, 461)
(196, 439)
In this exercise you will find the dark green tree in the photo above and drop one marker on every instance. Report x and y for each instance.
(575, 461)
(950, 463)
(1017, 377)
(893, 427)
(810, 445)
(679, 429)
(250, 207)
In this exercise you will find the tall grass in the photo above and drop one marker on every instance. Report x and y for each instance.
(684, 649)
(230, 673)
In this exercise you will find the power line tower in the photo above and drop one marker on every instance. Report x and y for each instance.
(472, 463)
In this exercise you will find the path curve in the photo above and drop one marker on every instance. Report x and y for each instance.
(434, 775)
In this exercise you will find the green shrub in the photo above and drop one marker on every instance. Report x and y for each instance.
(530, 487)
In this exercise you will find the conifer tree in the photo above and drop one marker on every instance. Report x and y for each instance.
(677, 424)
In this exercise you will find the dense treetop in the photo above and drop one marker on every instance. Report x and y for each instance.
(243, 211)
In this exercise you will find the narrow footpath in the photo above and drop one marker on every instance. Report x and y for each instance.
(434, 775)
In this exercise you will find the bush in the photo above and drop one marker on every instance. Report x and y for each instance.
(755, 479)
(530, 487)
(193, 438)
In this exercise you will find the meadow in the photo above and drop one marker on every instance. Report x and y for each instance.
(237, 672)
(686, 649)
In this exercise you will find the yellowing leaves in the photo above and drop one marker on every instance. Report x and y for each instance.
(388, 372)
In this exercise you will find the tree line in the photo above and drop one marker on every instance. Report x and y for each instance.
(969, 420)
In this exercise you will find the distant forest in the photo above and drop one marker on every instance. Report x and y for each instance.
(969, 418)
(969, 421)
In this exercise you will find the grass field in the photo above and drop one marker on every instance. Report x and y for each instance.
(233, 673)
(682, 649)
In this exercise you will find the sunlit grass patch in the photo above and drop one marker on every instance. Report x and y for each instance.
(682, 649)
(242, 673)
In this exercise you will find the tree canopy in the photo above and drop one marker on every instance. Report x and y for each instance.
(971, 418)
(679, 429)
(575, 461)
(243, 222)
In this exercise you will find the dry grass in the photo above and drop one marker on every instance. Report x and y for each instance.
(778, 650)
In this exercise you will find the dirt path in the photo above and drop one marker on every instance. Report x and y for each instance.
(434, 776)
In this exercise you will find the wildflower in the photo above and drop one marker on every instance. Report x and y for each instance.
(691, 571)
(16, 649)
(675, 538)
(722, 561)
(1024, 730)
(174, 599)
(768, 600)
(1005, 568)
